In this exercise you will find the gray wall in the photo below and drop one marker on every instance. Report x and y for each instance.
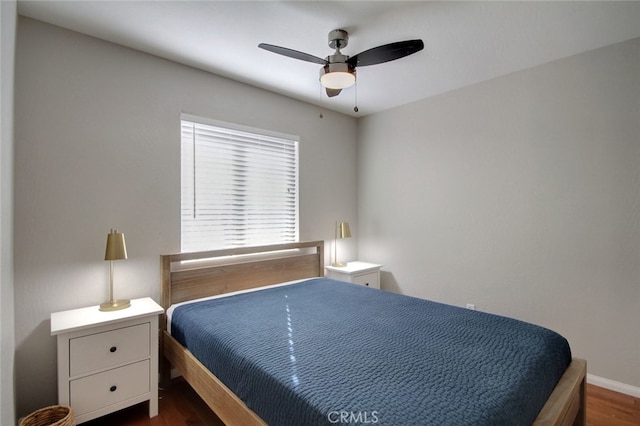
(98, 146)
(521, 195)
(8, 17)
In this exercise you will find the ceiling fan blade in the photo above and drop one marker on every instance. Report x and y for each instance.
(333, 92)
(386, 53)
(292, 53)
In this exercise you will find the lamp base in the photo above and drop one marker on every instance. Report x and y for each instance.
(115, 305)
(339, 264)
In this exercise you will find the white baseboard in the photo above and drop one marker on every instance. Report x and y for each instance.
(613, 385)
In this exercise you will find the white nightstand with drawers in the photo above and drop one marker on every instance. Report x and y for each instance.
(363, 273)
(107, 360)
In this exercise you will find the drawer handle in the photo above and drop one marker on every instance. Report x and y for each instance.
(112, 349)
(113, 388)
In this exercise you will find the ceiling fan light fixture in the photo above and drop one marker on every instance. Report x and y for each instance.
(337, 76)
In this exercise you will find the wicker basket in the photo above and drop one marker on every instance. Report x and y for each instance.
(55, 415)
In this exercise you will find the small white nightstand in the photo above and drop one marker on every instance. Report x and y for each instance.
(363, 273)
(107, 360)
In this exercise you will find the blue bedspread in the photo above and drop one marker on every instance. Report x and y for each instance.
(324, 352)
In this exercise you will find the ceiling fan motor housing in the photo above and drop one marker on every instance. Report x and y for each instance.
(338, 39)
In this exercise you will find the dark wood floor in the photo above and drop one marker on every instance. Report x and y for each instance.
(180, 405)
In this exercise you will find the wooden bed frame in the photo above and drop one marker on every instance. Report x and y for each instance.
(188, 276)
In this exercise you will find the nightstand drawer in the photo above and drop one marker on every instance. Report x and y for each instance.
(108, 349)
(109, 387)
(370, 279)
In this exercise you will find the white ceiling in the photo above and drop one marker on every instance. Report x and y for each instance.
(465, 42)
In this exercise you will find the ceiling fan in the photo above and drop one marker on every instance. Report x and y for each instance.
(339, 71)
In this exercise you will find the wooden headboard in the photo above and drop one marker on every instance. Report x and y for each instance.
(188, 276)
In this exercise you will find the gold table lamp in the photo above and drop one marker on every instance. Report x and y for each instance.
(116, 250)
(342, 231)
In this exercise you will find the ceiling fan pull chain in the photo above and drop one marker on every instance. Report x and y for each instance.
(355, 108)
(321, 101)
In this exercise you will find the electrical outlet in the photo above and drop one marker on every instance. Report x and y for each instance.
(471, 306)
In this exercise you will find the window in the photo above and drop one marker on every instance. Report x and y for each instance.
(239, 186)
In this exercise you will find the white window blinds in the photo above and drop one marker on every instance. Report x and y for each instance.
(239, 187)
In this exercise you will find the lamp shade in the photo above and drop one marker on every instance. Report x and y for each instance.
(116, 247)
(343, 230)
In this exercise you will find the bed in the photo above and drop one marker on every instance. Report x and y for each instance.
(189, 276)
